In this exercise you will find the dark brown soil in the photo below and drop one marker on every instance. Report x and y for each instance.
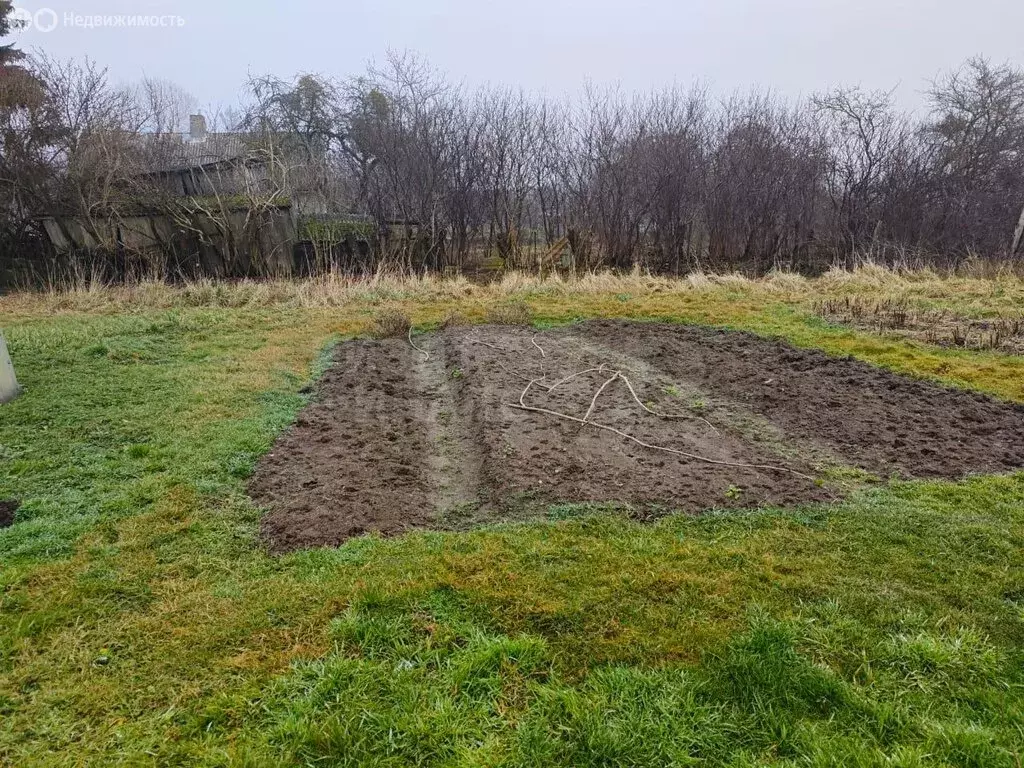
(873, 419)
(356, 459)
(7, 511)
(396, 442)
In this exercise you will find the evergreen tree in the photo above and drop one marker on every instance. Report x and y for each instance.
(8, 53)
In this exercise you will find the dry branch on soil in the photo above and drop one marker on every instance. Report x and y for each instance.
(485, 344)
(426, 355)
(539, 347)
(643, 405)
(522, 406)
(586, 420)
(597, 396)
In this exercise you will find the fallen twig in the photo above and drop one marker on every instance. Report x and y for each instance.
(643, 405)
(593, 403)
(485, 344)
(567, 379)
(539, 347)
(426, 355)
(522, 406)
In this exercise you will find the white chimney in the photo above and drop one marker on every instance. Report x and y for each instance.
(197, 128)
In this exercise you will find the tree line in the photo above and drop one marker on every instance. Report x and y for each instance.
(671, 181)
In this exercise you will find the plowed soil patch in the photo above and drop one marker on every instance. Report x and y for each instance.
(7, 511)
(679, 419)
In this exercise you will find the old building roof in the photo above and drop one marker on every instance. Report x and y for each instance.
(172, 153)
(199, 148)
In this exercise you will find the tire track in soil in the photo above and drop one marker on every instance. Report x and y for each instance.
(453, 460)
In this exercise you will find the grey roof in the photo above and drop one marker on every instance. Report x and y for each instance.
(175, 152)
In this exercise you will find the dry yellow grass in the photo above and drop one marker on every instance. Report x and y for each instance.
(1000, 288)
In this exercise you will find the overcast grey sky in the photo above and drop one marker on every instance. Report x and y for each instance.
(793, 46)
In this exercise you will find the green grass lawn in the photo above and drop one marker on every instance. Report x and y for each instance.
(142, 623)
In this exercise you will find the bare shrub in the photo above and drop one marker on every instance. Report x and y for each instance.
(516, 313)
(391, 324)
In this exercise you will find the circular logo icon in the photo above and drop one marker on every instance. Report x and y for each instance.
(43, 20)
(46, 20)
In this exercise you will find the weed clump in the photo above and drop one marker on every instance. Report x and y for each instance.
(391, 324)
(455, 319)
(516, 313)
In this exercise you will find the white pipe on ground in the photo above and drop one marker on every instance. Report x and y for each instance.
(9, 388)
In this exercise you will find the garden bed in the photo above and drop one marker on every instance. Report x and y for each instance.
(488, 424)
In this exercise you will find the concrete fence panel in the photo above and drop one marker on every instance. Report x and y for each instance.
(9, 388)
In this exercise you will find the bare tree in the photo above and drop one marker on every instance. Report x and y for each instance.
(977, 134)
(430, 175)
(163, 106)
(864, 134)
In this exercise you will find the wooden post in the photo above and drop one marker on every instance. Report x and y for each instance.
(1018, 236)
(9, 388)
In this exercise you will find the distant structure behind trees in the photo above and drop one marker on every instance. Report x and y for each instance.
(398, 168)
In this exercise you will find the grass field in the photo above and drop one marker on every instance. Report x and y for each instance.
(142, 622)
